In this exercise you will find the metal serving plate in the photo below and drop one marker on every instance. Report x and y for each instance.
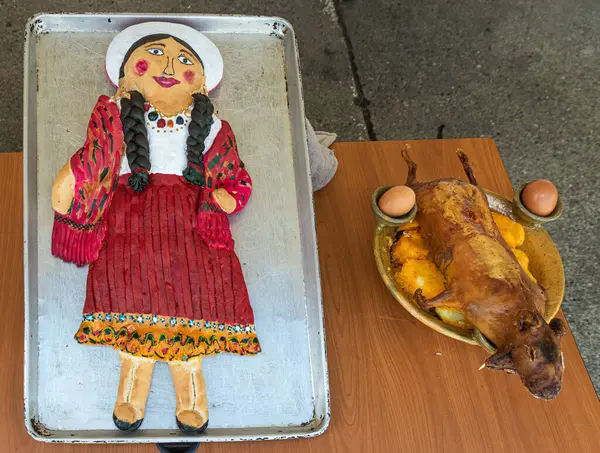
(545, 265)
(70, 389)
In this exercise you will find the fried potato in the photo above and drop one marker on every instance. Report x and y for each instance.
(413, 224)
(453, 317)
(420, 274)
(512, 232)
(411, 245)
(523, 260)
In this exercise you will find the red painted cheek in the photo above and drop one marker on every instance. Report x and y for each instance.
(189, 76)
(141, 66)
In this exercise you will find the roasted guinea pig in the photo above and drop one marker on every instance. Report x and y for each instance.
(485, 281)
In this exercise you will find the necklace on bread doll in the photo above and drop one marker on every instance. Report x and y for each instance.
(161, 123)
(152, 150)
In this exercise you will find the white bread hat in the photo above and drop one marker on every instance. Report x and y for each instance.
(204, 47)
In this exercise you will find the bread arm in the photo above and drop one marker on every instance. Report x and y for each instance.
(84, 187)
(63, 190)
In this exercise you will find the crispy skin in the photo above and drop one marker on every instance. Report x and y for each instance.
(467, 246)
(485, 280)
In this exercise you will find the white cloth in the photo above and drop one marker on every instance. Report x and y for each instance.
(323, 163)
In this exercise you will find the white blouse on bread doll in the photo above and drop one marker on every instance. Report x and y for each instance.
(167, 137)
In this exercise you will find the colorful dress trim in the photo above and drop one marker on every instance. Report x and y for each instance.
(166, 338)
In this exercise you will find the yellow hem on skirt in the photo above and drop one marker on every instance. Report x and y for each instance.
(166, 338)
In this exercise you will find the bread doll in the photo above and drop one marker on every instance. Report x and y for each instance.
(145, 203)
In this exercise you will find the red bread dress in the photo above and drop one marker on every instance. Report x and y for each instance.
(164, 281)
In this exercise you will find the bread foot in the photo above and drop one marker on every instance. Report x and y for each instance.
(191, 409)
(134, 386)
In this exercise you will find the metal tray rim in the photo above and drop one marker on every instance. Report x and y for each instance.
(319, 425)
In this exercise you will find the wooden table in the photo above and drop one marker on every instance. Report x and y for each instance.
(396, 386)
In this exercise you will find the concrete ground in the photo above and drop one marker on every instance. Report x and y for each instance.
(522, 72)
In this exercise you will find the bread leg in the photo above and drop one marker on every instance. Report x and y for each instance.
(134, 386)
(190, 392)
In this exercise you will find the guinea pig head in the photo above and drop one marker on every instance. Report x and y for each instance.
(533, 352)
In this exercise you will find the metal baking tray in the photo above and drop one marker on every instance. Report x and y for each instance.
(70, 389)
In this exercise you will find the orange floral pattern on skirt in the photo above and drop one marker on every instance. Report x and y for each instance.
(166, 338)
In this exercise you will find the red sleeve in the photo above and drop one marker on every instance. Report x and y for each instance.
(225, 170)
(77, 236)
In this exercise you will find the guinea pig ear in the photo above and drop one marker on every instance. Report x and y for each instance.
(558, 327)
(501, 360)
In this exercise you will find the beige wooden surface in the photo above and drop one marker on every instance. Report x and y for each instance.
(396, 386)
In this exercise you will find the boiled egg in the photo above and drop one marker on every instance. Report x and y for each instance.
(540, 197)
(397, 201)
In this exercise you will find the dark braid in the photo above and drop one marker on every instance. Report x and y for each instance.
(136, 140)
(198, 129)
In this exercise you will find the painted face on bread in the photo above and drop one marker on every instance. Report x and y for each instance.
(162, 70)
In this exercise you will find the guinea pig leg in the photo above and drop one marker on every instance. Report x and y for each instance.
(464, 160)
(445, 299)
(191, 409)
(134, 386)
(411, 179)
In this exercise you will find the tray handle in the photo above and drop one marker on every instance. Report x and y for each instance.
(183, 447)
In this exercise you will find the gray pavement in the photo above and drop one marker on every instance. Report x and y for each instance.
(326, 74)
(522, 72)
